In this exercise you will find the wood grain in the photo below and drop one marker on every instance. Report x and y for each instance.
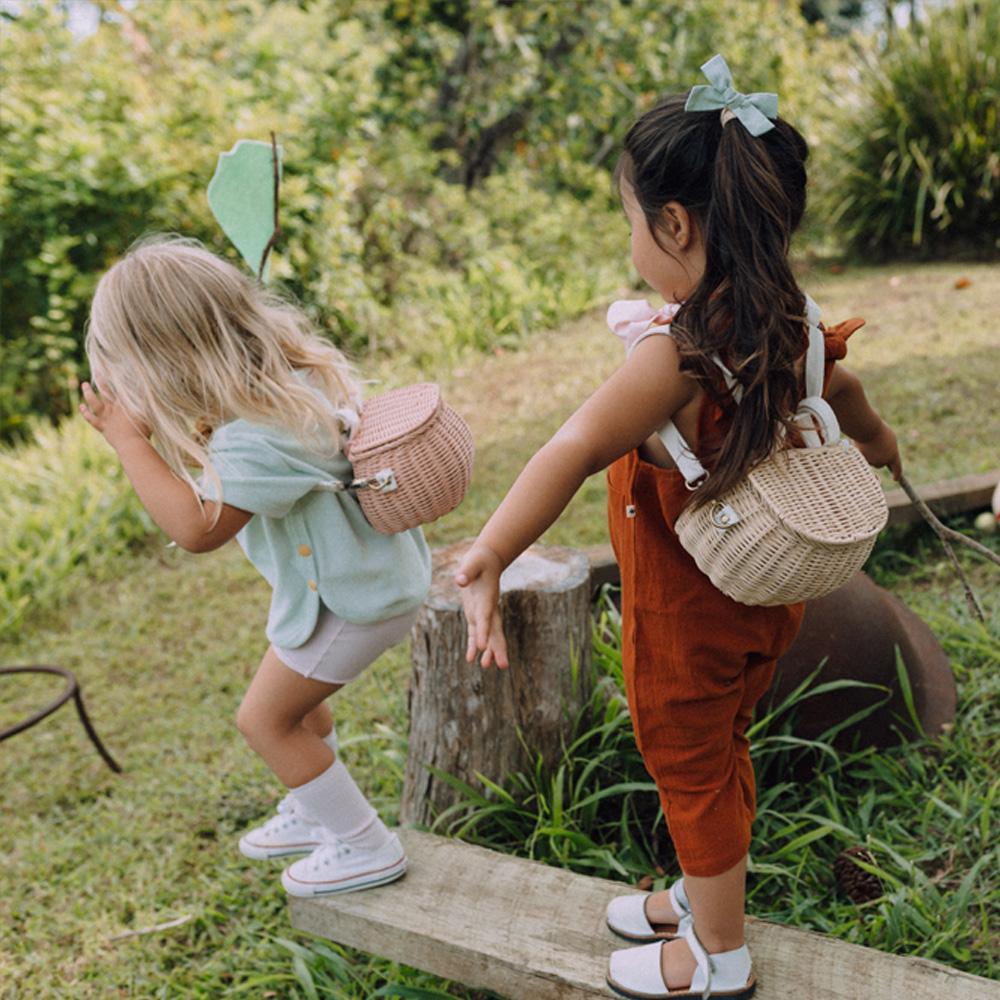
(466, 721)
(530, 932)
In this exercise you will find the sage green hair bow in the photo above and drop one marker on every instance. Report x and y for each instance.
(753, 110)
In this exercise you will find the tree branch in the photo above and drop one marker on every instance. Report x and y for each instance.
(946, 534)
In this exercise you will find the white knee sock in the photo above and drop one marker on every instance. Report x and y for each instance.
(331, 739)
(333, 799)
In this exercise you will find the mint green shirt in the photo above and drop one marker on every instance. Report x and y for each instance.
(312, 545)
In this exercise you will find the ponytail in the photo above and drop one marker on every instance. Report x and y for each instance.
(748, 194)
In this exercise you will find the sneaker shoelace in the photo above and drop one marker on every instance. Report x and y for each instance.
(331, 850)
(287, 815)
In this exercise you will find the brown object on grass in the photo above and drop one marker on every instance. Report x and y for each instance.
(945, 498)
(861, 886)
(854, 634)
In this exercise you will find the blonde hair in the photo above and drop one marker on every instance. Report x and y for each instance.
(185, 342)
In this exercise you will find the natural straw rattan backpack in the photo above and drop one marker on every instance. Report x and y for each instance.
(412, 458)
(802, 522)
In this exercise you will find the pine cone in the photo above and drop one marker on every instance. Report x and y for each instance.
(860, 886)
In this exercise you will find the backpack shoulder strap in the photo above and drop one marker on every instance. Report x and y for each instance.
(692, 470)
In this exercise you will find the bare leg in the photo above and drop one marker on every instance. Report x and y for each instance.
(272, 716)
(319, 720)
(717, 904)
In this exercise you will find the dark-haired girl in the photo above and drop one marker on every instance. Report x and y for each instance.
(713, 184)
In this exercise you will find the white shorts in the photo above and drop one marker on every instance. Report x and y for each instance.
(339, 650)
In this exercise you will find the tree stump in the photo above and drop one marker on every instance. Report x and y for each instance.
(465, 720)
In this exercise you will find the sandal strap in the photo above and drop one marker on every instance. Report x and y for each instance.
(679, 899)
(702, 978)
(731, 969)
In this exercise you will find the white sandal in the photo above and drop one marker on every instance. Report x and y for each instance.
(627, 916)
(636, 972)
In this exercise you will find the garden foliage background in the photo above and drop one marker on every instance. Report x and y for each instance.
(447, 163)
(447, 184)
(447, 196)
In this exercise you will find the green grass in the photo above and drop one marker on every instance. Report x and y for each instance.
(925, 808)
(927, 357)
(67, 507)
(164, 642)
(91, 854)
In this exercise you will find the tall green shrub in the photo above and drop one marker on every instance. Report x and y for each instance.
(923, 151)
(68, 515)
(382, 110)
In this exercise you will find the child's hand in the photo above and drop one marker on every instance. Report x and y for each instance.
(479, 577)
(110, 418)
(882, 450)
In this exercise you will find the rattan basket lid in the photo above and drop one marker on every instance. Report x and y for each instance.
(834, 515)
(392, 415)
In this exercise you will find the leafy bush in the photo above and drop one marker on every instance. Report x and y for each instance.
(446, 180)
(68, 513)
(923, 151)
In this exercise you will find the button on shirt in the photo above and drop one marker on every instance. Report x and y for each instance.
(312, 545)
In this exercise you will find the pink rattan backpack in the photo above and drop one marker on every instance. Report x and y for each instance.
(412, 458)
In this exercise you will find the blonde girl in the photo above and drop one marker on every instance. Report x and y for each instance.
(712, 191)
(188, 352)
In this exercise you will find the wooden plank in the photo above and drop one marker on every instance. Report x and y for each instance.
(530, 932)
(947, 497)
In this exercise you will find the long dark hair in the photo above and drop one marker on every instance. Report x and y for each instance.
(747, 196)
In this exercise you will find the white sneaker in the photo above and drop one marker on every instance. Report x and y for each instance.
(287, 832)
(339, 867)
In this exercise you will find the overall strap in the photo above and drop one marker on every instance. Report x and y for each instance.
(816, 353)
(814, 410)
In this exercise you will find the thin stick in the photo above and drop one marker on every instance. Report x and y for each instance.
(176, 922)
(945, 533)
(955, 536)
(277, 228)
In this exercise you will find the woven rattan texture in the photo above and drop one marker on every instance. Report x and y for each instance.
(427, 445)
(389, 417)
(808, 519)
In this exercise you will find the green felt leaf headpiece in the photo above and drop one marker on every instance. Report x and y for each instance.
(242, 196)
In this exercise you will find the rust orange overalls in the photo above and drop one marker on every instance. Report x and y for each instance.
(695, 661)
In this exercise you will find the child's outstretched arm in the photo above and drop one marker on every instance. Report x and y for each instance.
(170, 502)
(859, 421)
(636, 401)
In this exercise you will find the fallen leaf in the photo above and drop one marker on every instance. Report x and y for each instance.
(963, 283)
